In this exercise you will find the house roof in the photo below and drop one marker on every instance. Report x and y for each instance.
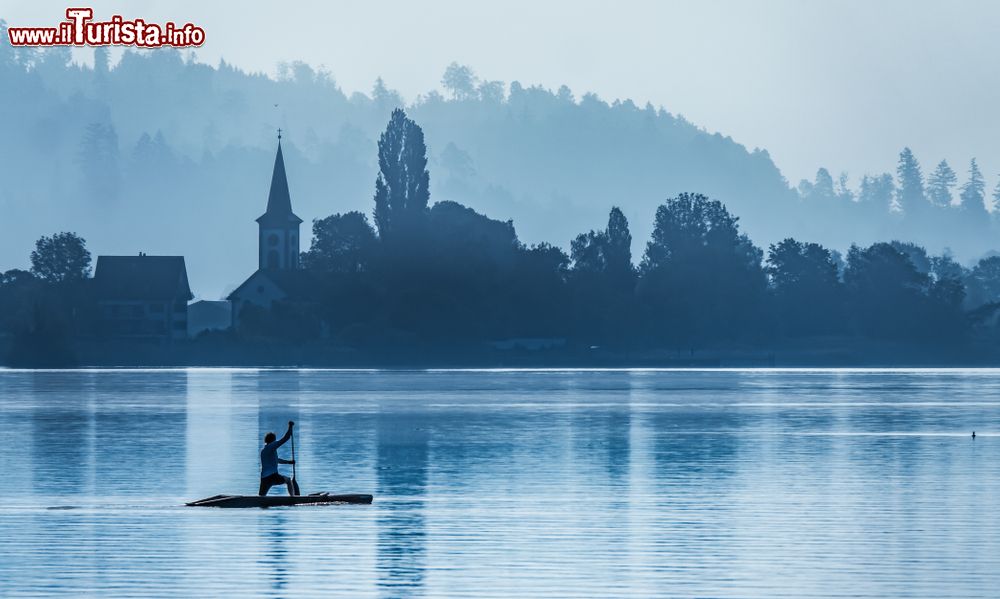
(142, 277)
(297, 285)
(279, 202)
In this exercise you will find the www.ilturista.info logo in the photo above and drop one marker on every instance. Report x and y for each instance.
(80, 30)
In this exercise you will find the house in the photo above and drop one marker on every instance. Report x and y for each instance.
(207, 315)
(265, 287)
(278, 277)
(143, 296)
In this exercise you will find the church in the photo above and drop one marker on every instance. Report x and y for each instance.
(278, 277)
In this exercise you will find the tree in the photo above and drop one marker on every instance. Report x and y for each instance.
(618, 256)
(945, 267)
(884, 290)
(492, 92)
(603, 282)
(402, 189)
(910, 190)
(701, 279)
(917, 255)
(460, 81)
(61, 257)
(996, 197)
(823, 185)
(984, 282)
(384, 97)
(843, 190)
(877, 191)
(686, 227)
(891, 298)
(16, 277)
(102, 61)
(604, 251)
(341, 243)
(806, 286)
(805, 189)
(587, 252)
(538, 292)
(974, 189)
(940, 184)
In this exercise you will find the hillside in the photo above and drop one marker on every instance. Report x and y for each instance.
(166, 155)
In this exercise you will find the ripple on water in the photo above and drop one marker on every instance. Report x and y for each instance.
(543, 483)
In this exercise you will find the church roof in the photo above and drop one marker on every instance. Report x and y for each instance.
(142, 278)
(279, 202)
(296, 285)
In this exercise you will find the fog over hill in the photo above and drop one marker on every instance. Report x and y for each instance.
(162, 154)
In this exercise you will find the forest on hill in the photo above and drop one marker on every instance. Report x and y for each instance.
(427, 282)
(163, 154)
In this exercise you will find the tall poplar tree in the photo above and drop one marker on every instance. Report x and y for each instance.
(402, 188)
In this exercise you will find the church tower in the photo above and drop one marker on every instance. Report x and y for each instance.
(278, 239)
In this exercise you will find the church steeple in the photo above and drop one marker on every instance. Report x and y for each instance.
(279, 226)
(279, 202)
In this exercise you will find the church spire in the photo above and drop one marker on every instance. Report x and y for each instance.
(279, 202)
(278, 234)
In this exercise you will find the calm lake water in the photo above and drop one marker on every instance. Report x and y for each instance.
(746, 483)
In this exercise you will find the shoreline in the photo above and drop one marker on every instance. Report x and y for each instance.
(795, 354)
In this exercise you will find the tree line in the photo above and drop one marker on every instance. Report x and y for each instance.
(936, 202)
(131, 149)
(421, 275)
(444, 273)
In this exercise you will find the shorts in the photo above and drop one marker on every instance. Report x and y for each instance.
(269, 481)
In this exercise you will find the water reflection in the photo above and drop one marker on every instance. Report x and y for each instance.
(403, 453)
(502, 484)
(274, 537)
(60, 434)
(140, 428)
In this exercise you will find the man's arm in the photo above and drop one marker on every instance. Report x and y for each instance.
(288, 435)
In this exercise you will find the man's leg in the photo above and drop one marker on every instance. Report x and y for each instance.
(288, 483)
(265, 486)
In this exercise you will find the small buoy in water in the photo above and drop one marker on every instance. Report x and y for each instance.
(973, 434)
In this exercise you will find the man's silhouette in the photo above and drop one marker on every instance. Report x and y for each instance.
(269, 460)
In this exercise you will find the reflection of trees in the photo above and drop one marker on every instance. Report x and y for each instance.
(402, 462)
(140, 432)
(60, 430)
(687, 442)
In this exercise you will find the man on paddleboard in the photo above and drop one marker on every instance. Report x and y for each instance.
(269, 460)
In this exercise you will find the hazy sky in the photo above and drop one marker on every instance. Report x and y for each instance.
(843, 84)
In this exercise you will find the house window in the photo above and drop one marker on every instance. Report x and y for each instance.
(272, 240)
(273, 259)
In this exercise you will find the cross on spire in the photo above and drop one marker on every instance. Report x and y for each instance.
(279, 134)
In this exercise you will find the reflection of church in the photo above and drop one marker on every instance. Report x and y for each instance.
(278, 278)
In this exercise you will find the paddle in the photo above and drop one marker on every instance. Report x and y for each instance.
(295, 484)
